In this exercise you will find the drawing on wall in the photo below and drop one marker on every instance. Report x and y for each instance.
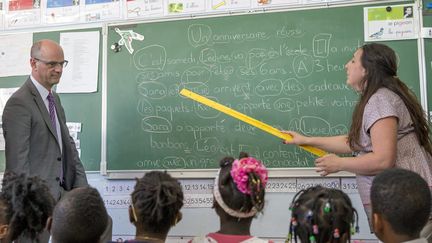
(21, 13)
(127, 36)
(23, 4)
(224, 5)
(61, 3)
(97, 10)
(271, 3)
(144, 8)
(175, 7)
(264, 1)
(378, 34)
(218, 5)
(62, 11)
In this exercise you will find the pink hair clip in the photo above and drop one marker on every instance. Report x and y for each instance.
(336, 233)
(240, 170)
(315, 229)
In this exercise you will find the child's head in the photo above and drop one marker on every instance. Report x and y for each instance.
(80, 216)
(320, 215)
(25, 205)
(156, 202)
(401, 198)
(240, 187)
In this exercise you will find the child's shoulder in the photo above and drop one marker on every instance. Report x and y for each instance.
(256, 240)
(202, 239)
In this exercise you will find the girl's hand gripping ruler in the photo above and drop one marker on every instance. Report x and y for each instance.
(249, 120)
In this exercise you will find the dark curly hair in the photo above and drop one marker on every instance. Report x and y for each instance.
(157, 199)
(320, 215)
(27, 202)
(79, 217)
(403, 198)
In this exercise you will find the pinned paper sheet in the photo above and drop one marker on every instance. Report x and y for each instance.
(249, 120)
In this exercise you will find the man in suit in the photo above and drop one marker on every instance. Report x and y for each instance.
(34, 126)
(37, 139)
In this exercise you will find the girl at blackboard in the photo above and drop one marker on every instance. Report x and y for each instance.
(238, 192)
(389, 127)
(320, 215)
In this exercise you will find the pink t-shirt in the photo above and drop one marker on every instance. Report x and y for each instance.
(410, 155)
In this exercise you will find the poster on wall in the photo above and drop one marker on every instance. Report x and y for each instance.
(394, 22)
(5, 94)
(15, 54)
(61, 11)
(22, 13)
(100, 10)
(82, 51)
(144, 8)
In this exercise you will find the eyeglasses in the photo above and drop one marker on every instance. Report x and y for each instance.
(52, 64)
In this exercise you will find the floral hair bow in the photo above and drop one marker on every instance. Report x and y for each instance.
(241, 169)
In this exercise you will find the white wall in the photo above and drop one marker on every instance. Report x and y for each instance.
(273, 223)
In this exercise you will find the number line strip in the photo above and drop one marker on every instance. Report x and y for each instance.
(247, 119)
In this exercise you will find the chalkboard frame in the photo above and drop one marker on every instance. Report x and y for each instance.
(205, 173)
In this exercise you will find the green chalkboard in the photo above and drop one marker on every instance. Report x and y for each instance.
(83, 108)
(283, 68)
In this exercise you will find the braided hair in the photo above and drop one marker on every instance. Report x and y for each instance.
(320, 215)
(232, 196)
(157, 199)
(27, 202)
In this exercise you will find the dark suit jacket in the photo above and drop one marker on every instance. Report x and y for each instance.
(31, 143)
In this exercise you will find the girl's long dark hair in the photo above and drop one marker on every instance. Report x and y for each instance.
(380, 62)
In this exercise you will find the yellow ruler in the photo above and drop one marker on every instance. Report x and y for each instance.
(249, 120)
